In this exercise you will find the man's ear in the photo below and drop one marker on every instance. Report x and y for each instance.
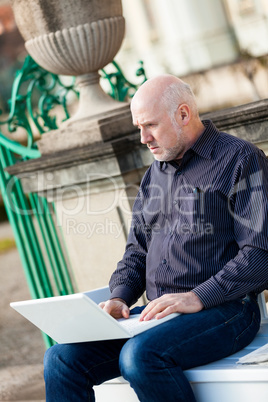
(184, 113)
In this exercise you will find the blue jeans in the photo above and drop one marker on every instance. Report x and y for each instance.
(153, 362)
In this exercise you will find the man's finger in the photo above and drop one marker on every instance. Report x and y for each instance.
(151, 310)
(116, 308)
(125, 311)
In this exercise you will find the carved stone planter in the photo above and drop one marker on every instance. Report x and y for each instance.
(77, 37)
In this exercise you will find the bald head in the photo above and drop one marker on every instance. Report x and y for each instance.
(167, 91)
(155, 87)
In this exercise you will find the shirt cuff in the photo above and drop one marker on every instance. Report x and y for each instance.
(125, 293)
(210, 293)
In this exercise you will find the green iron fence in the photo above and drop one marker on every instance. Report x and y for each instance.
(35, 93)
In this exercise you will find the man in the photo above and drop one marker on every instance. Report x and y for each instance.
(198, 245)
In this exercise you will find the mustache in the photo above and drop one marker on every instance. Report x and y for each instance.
(152, 144)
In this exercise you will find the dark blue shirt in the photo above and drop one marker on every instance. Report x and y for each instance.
(199, 226)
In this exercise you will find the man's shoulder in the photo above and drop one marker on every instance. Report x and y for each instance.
(155, 167)
(235, 145)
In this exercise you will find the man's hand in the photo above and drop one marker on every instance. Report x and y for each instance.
(172, 303)
(117, 308)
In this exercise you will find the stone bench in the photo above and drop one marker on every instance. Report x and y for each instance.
(221, 381)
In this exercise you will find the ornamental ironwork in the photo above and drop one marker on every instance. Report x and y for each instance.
(35, 94)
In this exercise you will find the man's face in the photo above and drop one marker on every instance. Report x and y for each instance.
(164, 138)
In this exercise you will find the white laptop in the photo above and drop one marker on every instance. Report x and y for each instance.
(77, 318)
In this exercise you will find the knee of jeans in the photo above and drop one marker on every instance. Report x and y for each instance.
(134, 359)
(52, 360)
(49, 359)
(128, 359)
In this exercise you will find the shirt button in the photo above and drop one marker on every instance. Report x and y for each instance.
(164, 261)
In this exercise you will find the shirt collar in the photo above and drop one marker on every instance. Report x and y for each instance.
(204, 145)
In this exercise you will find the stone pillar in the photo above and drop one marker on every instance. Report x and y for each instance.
(249, 19)
(140, 38)
(195, 34)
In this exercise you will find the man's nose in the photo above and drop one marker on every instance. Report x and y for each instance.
(146, 136)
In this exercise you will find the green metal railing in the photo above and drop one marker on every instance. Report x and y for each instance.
(35, 93)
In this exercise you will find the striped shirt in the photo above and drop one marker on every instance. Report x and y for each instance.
(199, 226)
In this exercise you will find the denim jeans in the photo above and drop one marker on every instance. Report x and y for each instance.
(153, 362)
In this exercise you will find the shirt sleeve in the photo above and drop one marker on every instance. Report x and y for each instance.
(245, 273)
(248, 204)
(128, 282)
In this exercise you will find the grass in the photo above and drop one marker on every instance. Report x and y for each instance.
(6, 244)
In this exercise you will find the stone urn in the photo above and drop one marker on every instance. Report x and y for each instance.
(77, 37)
